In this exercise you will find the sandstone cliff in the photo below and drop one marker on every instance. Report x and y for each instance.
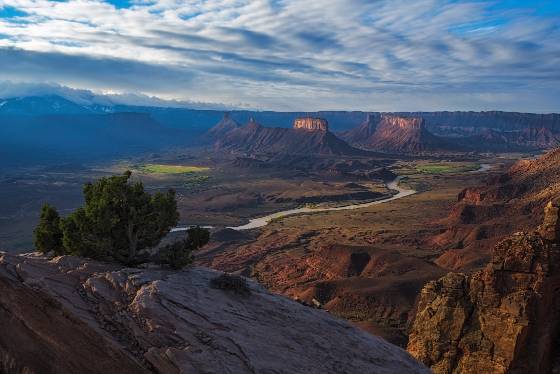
(71, 315)
(311, 124)
(503, 319)
(395, 134)
(255, 139)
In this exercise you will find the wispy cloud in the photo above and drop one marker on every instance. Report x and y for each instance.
(288, 54)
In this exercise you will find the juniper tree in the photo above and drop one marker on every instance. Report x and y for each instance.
(119, 220)
(47, 234)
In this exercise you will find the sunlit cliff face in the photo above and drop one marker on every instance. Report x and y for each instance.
(404, 123)
(312, 124)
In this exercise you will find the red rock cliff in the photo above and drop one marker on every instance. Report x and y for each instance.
(503, 319)
(403, 122)
(312, 124)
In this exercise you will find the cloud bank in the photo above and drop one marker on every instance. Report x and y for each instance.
(294, 54)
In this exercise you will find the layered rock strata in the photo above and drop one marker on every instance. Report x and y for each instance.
(311, 124)
(503, 319)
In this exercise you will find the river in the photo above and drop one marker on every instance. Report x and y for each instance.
(265, 220)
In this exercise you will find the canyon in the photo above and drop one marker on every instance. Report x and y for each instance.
(476, 222)
(441, 271)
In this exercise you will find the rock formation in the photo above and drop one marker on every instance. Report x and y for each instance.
(477, 222)
(311, 124)
(364, 131)
(226, 125)
(397, 134)
(460, 131)
(503, 319)
(257, 139)
(71, 315)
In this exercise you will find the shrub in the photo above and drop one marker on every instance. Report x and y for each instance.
(179, 254)
(47, 234)
(231, 282)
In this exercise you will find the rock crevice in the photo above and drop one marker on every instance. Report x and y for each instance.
(502, 319)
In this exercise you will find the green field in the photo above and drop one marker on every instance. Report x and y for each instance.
(446, 167)
(171, 169)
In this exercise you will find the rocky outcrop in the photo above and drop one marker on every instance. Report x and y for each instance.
(364, 131)
(311, 124)
(503, 319)
(71, 315)
(226, 125)
(396, 134)
(255, 139)
(477, 221)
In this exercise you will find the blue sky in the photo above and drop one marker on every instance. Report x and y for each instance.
(383, 55)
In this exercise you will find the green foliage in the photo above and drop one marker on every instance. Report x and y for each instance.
(176, 255)
(197, 237)
(119, 220)
(47, 234)
(446, 167)
(179, 254)
(172, 169)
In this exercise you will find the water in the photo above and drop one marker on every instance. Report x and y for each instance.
(393, 185)
(263, 221)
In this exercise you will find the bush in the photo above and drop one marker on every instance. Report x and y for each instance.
(47, 234)
(231, 282)
(179, 254)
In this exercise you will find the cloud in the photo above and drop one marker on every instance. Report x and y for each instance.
(293, 54)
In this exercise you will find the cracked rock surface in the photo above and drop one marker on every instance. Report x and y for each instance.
(73, 315)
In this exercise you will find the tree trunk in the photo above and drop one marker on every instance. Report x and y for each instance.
(132, 242)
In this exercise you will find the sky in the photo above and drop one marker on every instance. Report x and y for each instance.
(375, 55)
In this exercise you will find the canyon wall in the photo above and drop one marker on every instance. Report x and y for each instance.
(311, 124)
(415, 123)
(503, 319)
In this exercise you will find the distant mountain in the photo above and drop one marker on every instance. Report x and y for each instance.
(29, 115)
(83, 137)
(42, 105)
(396, 134)
(254, 138)
(442, 123)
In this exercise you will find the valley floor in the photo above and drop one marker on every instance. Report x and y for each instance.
(366, 265)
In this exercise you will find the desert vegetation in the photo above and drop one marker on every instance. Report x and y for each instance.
(171, 169)
(446, 167)
(119, 222)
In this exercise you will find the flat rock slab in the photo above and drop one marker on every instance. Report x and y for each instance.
(78, 315)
